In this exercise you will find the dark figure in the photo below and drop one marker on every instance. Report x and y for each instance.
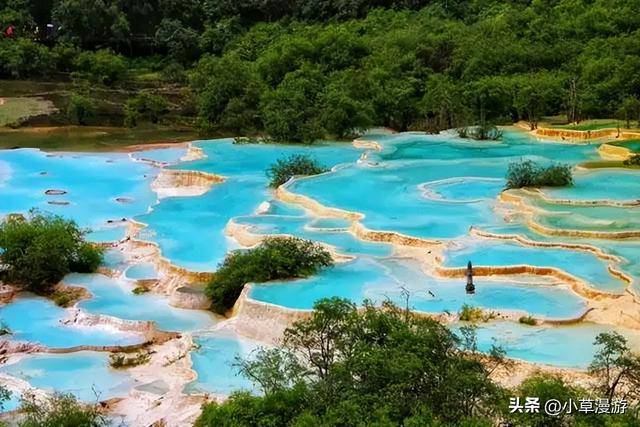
(471, 289)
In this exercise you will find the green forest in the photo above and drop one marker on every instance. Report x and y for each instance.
(301, 70)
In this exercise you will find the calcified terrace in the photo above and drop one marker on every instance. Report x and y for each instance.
(397, 212)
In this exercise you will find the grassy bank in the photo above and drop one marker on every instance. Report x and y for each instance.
(79, 138)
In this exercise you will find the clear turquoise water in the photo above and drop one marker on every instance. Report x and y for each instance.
(380, 280)
(77, 373)
(214, 361)
(36, 319)
(93, 183)
(164, 155)
(115, 298)
(583, 265)
(190, 230)
(424, 186)
(612, 184)
(567, 346)
(141, 271)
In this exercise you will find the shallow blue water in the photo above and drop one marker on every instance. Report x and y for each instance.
(164, 155)
(214, 360)
(583, 265)
(82, 374)
(190, 231)
(141, 271)
(380, 280)
(567, 346)
(115, 298)
(94, 184)
(36, 319)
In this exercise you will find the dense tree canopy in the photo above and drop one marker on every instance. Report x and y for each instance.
(299, 70)
(383, 366)
(40, 250)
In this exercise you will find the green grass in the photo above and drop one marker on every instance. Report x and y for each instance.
(591, 125)
(90, 138)
(13, 110)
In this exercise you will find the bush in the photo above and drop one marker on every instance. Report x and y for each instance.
(79, 109)
(41, 249)
(474, 314)
(480, 133)
(527, 173)
(60, 410)
(276, 258)
(102, 66)
(284, 169)
(362, 366)
(527, 320)
(66, 296)
(123, 360)
(634, 160)
(145, 106)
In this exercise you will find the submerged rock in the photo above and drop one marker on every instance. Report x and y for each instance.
(55, 192)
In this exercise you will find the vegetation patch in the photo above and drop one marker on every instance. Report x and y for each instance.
(124, 360)
(139, 290)
(41, 249)
(474, 314)
(286, 168)
(528, 173)
(59, 410)
(14, 110)
(527, 320)
(634, 160)
(275, 258)
(66, 296)
(481, 133)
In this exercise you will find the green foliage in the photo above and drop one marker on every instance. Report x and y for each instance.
(230, 100)
(275, 258)
(286, 168)
(527, 320)
(79, 109)
(527, 173)
(473, 314)
(5, 395)
(124, 360)
(368, 366)
(633, 160)
(102, 66)
(41, 249)
(59, 410)
(66, 296)
(145, 106)
(139, 290)
(616, 367)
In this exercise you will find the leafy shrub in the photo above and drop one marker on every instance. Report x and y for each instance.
(139, 290)
(60, 410)
(634, 160)
(66, 296)
(480, 133)
(474, 314)
(470, 314)
(79, 109)
(284, 169)
(145, 106)
(41, 249)
(4, 330)
(527, 173)
(276, 258)
(527, 320)
(123, 360)
(102, 66)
